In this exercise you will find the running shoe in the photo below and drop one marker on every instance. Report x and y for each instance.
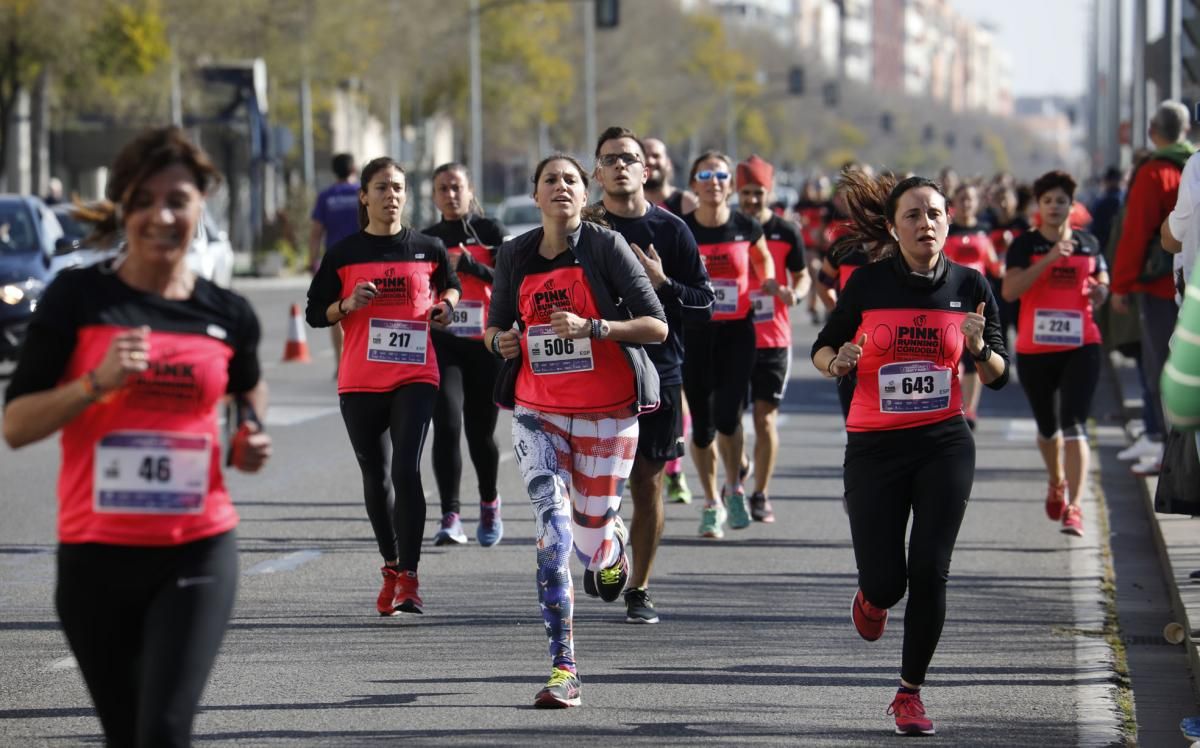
(451, 532)
(1190, 727)
(677, 489)
(1056, 500)
(491, 527)
(739, 518)
(639, 608)
(711, 520)
(607, 583)
(1141, 447)
(560, 692)
(868, 620)
(1147, 466)
(386, 602)
(1072, 521)
(760, 508)
(910, 714)
(407, 598)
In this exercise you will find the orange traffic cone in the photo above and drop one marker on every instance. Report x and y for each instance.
(297, 346)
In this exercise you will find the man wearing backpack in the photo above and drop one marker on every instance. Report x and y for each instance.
(1141, 265)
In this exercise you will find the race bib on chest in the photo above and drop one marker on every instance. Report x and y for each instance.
(913, 387)
(550, 354)
(467, 319)
(151, 472)
(763, 305)
(1057, 327)
(726, 292)
(393, 341)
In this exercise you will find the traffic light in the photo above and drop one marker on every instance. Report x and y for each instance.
(608, 13)
(796, 80)
(927, 134)
(885, 121)
(951, 140)
(830, 93)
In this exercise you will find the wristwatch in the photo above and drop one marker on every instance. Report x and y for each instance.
(983, 353)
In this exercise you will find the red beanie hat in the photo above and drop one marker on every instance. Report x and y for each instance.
(755, 171)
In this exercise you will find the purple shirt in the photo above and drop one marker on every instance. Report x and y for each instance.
(337, 210)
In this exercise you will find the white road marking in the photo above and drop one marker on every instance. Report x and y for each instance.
(1020, 430)
(291, 415)
(290, 562)
(63, 663)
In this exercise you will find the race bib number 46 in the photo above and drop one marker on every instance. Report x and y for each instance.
(913, 387)
(1057, 327)
(764, 306)
(550, 354)
(151, 472)
(467, 319)
(393, 341)
(726, 293)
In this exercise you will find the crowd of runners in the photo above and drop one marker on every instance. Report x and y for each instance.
(634, 328)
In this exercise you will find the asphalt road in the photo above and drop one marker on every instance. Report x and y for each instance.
(755, 644)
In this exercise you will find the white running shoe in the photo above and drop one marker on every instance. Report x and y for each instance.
(1147, 466)
(1141, 448)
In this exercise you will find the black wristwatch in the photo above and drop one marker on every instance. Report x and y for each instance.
(983, 353)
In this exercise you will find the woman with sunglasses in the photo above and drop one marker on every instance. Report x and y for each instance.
(467, 370)
(903, 322)
(720, 353)
(576, 384)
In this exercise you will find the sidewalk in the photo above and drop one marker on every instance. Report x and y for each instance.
(1176, 537)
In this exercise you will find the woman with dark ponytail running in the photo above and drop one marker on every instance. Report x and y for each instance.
(903, 322)
(387, 285)
(467, 369)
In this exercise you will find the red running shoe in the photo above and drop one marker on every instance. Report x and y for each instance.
(386, 603)
(1072, 521)
(1056, 500)
(407, 599)
(910, 714)
(869, 621)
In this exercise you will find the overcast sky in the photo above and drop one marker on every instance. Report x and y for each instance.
(1045, 39)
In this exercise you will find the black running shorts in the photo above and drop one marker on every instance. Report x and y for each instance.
(768, 380)
(660, 433)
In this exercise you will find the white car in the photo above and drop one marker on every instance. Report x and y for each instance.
(210, 255)
(519, 214)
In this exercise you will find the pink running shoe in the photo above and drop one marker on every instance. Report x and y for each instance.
(1056, 500)
(1072, 521)
(910, 714)
(869, 621)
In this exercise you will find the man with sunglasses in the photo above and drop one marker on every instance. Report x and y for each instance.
(667, 250)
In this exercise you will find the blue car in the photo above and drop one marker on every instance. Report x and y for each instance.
(28, 234)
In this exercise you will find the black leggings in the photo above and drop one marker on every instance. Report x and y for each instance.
(925, 471)
(1060, 387)
(716, 376)
(145, 625)
(465, 395)
(388, 429)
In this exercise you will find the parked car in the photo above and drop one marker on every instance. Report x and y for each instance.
(28, 233)
(519, 213)
(210, 255)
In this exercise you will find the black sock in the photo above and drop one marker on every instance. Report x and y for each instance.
(906, 689)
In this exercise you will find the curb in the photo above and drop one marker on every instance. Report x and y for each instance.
(1179, 611)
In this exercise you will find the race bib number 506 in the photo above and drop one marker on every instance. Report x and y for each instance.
(550, 354)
